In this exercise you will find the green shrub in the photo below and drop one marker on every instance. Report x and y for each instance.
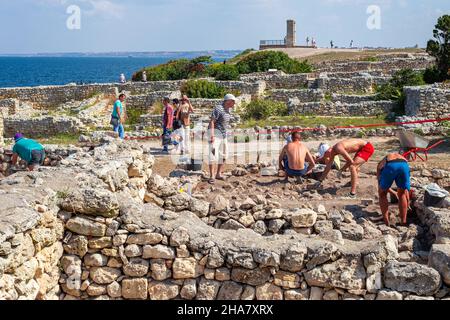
(157, 108)
(134, 116)
(176, 70)
(432, 75)
(393, 90)
(203, 89)
(439, 47)
(224, 72)
(263, 109)
(241, 55)
(370, 59)
(264, 60)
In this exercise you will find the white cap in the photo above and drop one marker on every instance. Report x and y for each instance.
(229, 97)
(323, 148)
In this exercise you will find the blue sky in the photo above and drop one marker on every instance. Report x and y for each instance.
(36, 26)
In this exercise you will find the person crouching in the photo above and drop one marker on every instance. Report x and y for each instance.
(30, 151)
(296, 159)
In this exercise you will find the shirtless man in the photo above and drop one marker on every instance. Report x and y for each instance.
(363, 150)
(394, 167)
(295, 159)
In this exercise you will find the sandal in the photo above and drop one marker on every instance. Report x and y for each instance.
(211, 181)
(220, 178)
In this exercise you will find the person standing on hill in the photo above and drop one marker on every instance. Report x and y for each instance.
(32, 152)
(118, 116)
(183, 115)
(167, 122)
(307, 41)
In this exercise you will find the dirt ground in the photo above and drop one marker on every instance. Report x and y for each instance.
(333, 193)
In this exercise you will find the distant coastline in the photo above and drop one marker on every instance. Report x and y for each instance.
(133, 54)
(64, 68)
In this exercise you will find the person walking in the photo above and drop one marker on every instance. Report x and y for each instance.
(32, 152)
(218, 126)
(183, 115)
(307, 41)
(167, 123)
(118, 116)
(351, 44)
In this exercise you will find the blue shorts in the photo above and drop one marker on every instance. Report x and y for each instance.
(295, 173)
(397, 171)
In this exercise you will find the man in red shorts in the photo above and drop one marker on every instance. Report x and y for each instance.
(363, 151)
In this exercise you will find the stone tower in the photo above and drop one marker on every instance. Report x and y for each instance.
(291, 34)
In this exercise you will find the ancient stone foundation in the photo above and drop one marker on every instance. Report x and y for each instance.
(102, 226)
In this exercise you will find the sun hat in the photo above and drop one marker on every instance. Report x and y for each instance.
(229, 97)
(323, 148)
(18, 136)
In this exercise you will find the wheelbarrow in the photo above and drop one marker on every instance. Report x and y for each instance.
(416, 145)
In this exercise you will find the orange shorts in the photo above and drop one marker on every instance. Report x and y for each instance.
(366, 152)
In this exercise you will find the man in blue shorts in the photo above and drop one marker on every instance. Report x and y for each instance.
(28, 150)
(394, 167)
(295, 158)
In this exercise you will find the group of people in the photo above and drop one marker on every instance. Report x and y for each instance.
(177, 117)
(313, 42)
(296, 160)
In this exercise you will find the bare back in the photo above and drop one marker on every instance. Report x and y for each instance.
(349, 145)
(296, 153)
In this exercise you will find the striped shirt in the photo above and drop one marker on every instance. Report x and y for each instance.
(221, 117)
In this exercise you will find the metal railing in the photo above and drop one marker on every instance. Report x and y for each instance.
(272, 43)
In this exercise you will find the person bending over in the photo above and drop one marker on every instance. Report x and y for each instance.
(363, 151)
(394, 167)
(30, 151)
(295, 158)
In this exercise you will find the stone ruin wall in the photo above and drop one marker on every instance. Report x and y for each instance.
(94, 238)
(45, 126)
(428, 101)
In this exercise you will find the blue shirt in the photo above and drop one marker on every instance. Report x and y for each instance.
(118, 103)
(23, 148)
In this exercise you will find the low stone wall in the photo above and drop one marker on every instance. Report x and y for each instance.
(366, 108)
(353, 85)
(93, 237)
(302, 95)
(8, 107)
(50, 97)
(278, 80)
(146, 101)
(415, 63)
(427, 101)
(351, 99)
(41, 126)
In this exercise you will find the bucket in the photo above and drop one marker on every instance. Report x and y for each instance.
(434, 196)
(433, 201)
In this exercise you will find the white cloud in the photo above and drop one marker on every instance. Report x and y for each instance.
(105, 8)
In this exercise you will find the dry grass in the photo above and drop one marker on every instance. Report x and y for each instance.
(357, 55)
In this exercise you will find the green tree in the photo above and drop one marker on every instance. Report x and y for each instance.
(262, 61)
(440, 47)
(393, 90)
